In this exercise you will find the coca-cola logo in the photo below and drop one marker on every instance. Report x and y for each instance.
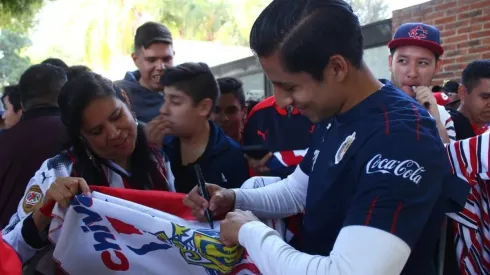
(407, 169)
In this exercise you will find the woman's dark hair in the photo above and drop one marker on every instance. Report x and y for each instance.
(75, 96)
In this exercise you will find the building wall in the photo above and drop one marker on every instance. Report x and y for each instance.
(464, 26)
(247, 70)
(255, 83)
(377, 60)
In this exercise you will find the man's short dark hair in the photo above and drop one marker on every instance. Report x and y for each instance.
(76, 70)
(231, 85)
(307, 33)
(149, 33)
(14, 96)
(41, 85)
(194, 79)
(56, 62)
(474, 72)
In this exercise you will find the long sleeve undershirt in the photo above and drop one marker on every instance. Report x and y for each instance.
(357, 250)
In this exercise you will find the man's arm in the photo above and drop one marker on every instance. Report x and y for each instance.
(443, 132)
(278, 200)
(440, 115)
(426, 98)
(398, 189)
(282, 199)
(357, 250)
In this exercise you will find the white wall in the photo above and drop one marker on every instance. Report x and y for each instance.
(377, 60)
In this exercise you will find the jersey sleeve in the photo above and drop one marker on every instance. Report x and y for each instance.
(25, 240)
(401, 178)
(470, 158)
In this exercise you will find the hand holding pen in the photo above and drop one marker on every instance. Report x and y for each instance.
(203, 192)
(221, 201)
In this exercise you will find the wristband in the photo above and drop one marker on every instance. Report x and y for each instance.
(47, 209)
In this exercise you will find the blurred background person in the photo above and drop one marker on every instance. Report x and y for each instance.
(230, 111)
(13, 109)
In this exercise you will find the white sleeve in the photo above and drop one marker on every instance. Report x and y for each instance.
(278, 200)
(357, 250)
(33, 197)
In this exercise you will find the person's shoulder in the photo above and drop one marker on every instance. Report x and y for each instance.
(398, 107)
(398, 118)
(266, 104)
(233, 144)
(61, 161)
(229, 149)
(131, 77)
(15, 137)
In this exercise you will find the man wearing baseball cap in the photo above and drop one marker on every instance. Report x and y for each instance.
(153, 54)
(414, 61)
(447, 95)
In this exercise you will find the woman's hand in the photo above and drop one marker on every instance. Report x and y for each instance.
(62, 192)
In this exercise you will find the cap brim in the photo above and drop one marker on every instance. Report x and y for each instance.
(454, 101)
(431, 46)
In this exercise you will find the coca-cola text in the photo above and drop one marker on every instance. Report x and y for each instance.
(407, 169)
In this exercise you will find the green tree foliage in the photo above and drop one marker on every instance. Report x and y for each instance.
(18, 15)
(16, 18)
(12, 63)
(369, 11)
(108, 27)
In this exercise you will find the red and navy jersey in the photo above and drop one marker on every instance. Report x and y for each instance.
(381, 164)
(286, 134)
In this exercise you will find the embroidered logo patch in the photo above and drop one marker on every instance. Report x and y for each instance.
(33, 196)
(344, 147)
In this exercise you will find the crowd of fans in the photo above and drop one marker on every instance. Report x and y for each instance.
(67, 127)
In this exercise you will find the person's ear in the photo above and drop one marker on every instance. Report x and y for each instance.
(205, 107)
(337, 67)
(462, 91)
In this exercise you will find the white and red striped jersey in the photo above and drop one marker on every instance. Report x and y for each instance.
(470, 159)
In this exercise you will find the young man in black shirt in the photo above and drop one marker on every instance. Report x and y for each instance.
(191, 92)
